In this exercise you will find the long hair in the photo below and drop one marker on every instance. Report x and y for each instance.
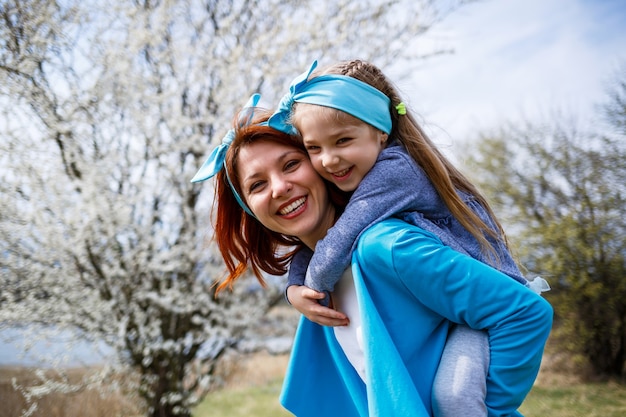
(445, 177)
(242, 240)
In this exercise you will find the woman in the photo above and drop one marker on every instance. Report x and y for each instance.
(409, 289)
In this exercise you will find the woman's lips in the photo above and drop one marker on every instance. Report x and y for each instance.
(292, 206)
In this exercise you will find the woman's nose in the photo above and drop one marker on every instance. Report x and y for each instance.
(281, 187)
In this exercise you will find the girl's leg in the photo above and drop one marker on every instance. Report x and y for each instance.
(460, 384)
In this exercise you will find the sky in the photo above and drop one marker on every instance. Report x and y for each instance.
(517, 59)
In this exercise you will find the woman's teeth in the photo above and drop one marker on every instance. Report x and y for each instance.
(293, 206)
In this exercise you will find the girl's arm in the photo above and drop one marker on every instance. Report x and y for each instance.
(298, 266)
(395, 184)
(306, 300)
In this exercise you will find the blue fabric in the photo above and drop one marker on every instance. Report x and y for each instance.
(410, 288)
(340, 92)
(381, 194)
(317, 358)
(215, 161)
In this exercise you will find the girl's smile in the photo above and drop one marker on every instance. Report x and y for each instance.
(342, 175)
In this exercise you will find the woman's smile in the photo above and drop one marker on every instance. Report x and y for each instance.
(293, 207)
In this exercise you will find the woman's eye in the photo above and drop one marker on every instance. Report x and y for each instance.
(290, 165)
(255, 186)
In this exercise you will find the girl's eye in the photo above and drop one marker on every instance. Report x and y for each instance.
(343, 140)
(312, 149)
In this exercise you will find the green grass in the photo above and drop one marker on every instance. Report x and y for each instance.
(573, 400)
(576, 400)
(257, 401)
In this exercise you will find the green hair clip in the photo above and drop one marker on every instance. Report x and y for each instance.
(401, 108)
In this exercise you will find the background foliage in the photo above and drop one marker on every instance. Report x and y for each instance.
(563, 190)
(107, 109)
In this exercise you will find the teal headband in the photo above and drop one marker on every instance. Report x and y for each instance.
(340, 92)
(216, 161)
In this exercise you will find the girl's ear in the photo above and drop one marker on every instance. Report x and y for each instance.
(383, 137)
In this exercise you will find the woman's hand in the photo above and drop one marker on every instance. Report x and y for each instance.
(304, 299)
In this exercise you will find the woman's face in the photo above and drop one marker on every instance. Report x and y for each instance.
(284, 192)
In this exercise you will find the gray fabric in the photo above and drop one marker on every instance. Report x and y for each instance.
(460, 384)
(395, 186)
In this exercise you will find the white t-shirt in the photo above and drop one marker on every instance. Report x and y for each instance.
(350, 337)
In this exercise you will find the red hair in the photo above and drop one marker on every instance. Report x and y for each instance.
(242, 240)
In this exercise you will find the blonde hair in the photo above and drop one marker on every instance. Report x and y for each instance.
(445, 177)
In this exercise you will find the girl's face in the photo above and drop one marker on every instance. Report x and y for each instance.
(284, 192)
(342, 148)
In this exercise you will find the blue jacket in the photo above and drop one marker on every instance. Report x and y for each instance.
(396, 185)
(410, 287)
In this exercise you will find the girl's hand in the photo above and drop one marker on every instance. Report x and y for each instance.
(304, 299)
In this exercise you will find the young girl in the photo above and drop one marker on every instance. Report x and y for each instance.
(361, 138)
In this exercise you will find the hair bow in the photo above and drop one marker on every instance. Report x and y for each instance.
(336, 91)
(280, 119)
(215, 161)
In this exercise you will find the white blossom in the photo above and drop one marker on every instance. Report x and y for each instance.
(107, 109)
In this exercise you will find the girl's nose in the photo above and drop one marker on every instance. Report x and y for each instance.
(329, 159)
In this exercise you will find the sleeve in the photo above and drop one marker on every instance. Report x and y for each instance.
(464, 290)
(298, 266)
(395, 184)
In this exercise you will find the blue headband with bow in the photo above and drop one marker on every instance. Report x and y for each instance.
(215, 161)
(340, 92)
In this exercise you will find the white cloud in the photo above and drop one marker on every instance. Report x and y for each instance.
(518, 58)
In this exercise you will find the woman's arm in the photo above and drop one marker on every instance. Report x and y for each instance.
(463, 290)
